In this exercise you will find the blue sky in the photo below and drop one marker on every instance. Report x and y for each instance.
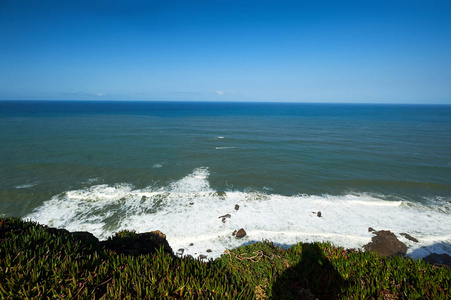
(396, 51)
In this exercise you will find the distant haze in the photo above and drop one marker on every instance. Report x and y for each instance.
(290, 51)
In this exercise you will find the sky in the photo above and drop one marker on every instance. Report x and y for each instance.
(364, 51)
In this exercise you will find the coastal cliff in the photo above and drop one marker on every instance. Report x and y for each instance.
(39, 262)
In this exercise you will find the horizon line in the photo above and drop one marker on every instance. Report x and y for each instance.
(224, 101)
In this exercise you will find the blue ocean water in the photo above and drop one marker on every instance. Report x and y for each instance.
(178, 166)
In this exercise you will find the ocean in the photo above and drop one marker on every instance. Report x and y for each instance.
(178, 167)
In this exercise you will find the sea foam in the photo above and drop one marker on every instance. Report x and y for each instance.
(188, 211)
(26, 186)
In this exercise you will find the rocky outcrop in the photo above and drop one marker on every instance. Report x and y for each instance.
(85, 236)
(138, 243)
(438, 259)
(386, 244)
(409, 237)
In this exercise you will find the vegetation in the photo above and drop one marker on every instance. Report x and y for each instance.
(37, 262)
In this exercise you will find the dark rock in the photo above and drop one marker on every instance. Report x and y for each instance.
(138, 243)
(208, 250)
(371, 229)
(180, 252)
(159, 238)
(409, 237)
(319, 214)
(224, 217)
(234, 233)
(202, 256)
(386, 244)
(191, 203)
(191, 244)
(56, 231)
(438, 259)
(237, 207)
(85, 236)
(241, 233)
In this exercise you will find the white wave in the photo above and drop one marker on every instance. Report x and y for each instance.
(195, 182)
(93, 180)
(220, 137)
(220, 148)
(188, 211)
(26, 186)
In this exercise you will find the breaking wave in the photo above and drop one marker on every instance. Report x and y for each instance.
(189, 212)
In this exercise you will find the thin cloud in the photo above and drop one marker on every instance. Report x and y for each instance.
(194, 93)
(223, 93)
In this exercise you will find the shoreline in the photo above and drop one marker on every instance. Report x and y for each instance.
(384, 242)
(199, 219)
(40, 261)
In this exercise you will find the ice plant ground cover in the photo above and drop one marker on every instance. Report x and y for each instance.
(41, 262)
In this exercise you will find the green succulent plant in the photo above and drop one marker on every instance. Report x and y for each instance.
(38, 262)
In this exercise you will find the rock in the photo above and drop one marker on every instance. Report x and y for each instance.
(386, 244)
(224, 217)
(192, 244)
(180, 252)
(202, 256)
(241, 233)
(138, 243)
(319, 214)
(191, 203)
(208, 250)
(56, 231)
(234, 233)
(371, 229)
(438, 259)
(409, 237)
(237, 207)
(159, 238)
(85, 236)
